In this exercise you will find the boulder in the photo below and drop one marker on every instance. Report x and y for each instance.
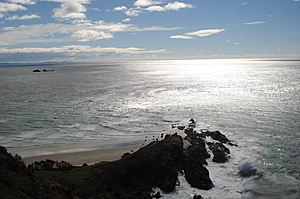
(216, 135)
(196, 173)
(180, 127)
(219, 151)
(197, 197)
(36, 71)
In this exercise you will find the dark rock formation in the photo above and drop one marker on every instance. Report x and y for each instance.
(47, 70)
(131, 177)
(192, 123)
(232, 144)
(197, 197)
(196, 173)
(216, 135)
(180, 127)
(220, 152)
(36, 71)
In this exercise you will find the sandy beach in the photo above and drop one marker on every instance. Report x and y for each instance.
(89, 157)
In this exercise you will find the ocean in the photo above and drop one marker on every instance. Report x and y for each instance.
(78, 107)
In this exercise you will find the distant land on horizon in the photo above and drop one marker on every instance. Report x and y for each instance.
(44, 64)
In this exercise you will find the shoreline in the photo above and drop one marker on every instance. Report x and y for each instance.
(89, 157)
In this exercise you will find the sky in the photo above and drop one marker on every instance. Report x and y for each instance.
(97, 30)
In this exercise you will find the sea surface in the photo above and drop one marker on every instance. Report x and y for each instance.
(255, 103)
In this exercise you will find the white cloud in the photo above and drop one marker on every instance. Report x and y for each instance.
(145, 3)
(155, 9)
(39, 33)
(205, 33)
(10, 7)
(244, 3)
(180, 37)
(120, 8)
(132, 12)
(254, 22)
(199, 33)
(177, 6)
(28, 2)
(24, 17)
(126, 20)
(141, 6)
(70, 9)
(79, 50)
(91, 35)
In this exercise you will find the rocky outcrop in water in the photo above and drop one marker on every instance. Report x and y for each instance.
(220, 152)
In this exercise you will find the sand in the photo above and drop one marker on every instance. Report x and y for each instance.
(89, 157)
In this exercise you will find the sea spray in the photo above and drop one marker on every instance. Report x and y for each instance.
(247, 169)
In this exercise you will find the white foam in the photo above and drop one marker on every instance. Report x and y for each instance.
(247, 168)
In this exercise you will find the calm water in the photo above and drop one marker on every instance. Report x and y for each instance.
(82, 107)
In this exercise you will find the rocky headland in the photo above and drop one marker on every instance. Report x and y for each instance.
(133, 176)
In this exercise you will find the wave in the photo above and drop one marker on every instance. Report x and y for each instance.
(246, 169)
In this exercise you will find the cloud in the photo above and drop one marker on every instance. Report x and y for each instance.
(24, 17)
(244, 3)
(79, 50)
(141, 6)
(10, 7)
(205, 33)
(145, 3)
(70, 9)
(199, 33)
(126, 20)
(155, 9)
(132, 12)
(91, 35)
(28, 2)
(177, 6)
(254, 22)
(39, 33)
(120, 8)
(181, 37)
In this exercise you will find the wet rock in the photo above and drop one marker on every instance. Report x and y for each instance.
(156, 195)
(196, 173)
(232, 144)
(192, 123)
(47, 70)
(197, 197)
(125, 155)
(219, 151)
(216, 135)
(36, 71)
(180, 127)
